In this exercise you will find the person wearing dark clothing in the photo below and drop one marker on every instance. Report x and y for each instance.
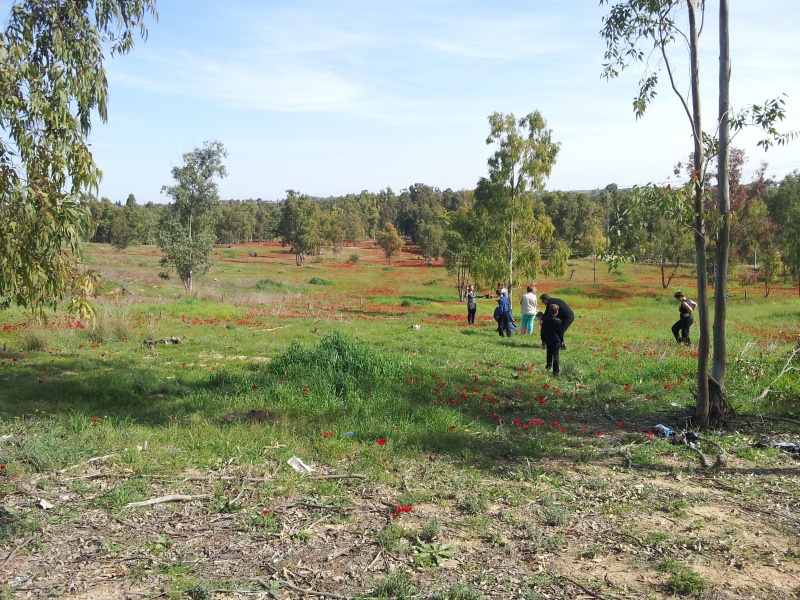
(564, 313)
(686, 308)
(472, 304)
(504, 322)
(552, 337)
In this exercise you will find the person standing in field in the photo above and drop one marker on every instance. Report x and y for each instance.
(565, 314)
(472, 304)
(504, 313)
(686, 308)
(552, 337)
(527, 304)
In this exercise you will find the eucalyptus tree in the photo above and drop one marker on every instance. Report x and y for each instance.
(515, 226)
(186, 232)
(52, 82)
(647, 31)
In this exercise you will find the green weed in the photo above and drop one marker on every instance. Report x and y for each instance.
(432, 553)
(397, 586)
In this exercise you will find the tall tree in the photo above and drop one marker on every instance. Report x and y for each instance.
(52, 79)
(723, 239)
(186, 233)
(390, 241)
(300, 225)
(460, 247)
(522, 163)
(784, 208)
(637, 30)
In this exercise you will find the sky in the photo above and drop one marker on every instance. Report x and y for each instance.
(330, 98)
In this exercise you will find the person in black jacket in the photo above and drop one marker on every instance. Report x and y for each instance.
(686, 310)
(553, 337)
(565, 314)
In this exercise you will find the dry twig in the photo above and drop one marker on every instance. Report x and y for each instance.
(170, 498)
(16, 549)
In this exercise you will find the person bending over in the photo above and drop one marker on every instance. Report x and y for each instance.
(564, 313)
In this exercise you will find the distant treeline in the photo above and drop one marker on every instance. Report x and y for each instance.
(765, 223)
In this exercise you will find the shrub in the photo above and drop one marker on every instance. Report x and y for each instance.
(338, 361)
(319, 281)
(36, 340)
(108, 326)
(265, 284)
(397, 585)
(353, 259)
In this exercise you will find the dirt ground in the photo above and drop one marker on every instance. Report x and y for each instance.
(597, 530)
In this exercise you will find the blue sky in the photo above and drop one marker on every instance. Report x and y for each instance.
(329, 98)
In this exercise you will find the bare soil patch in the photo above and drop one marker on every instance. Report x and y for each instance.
(557, 529)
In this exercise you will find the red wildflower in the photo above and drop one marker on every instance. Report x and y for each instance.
(554, 424)
(2, 467)
(620, 424)
(401, 508)
(95, 419)
(627, 388)
(542, 400)
(265, 511)
(381, 441)
(452, 426)
(40, 380)
(254, 386)
(305, 389)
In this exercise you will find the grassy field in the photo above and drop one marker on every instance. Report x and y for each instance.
(447, 462)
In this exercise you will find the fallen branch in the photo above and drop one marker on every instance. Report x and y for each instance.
(344, 476)
(786, 368)
(170, 498)
(575, 583)
(208, 478)
(16, 549)
(89, 461)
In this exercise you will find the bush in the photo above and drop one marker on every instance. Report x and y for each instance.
(109, 326)
(36, 340)
(353, 258)
(342, 364)
(319, 281)
(265, 284)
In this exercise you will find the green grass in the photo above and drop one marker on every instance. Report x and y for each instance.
(476, 432)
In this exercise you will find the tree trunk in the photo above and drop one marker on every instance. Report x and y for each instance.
(703, 348)
(724, 201)
(511, 252)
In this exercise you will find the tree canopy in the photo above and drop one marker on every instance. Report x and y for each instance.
(52, 78)
(186, 232)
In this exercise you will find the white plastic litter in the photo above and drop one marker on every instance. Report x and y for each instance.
(299, 466)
